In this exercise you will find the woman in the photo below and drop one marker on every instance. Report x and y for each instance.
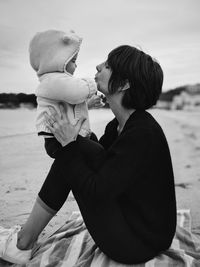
(125, 186)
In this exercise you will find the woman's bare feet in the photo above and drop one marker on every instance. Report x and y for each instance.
(24, 241)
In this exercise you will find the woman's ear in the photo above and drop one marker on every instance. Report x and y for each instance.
(125, 86)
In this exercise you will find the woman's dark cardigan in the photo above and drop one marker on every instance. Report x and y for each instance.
(128, 204)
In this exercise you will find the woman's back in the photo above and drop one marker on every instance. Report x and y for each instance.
(134, 205)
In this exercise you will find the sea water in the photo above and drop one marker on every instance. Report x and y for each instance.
(22, 121)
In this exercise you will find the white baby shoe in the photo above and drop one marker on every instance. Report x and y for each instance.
(8, 246)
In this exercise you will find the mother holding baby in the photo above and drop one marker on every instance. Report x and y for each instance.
(127, 201)
(125, 186)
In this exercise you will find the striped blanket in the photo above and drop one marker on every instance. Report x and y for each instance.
(72, 246)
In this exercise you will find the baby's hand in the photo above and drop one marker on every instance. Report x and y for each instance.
(95, 101)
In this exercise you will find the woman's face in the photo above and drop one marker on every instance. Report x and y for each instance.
(102, 77)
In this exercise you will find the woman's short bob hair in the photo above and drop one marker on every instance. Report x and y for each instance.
(144, 74)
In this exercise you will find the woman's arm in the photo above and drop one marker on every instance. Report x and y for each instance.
(69, 89)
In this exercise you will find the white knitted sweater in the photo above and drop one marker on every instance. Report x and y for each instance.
(62, 88)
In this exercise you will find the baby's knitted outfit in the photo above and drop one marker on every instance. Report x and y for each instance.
(50, 52)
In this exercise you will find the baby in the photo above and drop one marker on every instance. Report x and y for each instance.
(53, 56)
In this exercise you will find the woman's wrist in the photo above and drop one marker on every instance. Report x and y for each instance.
(68, 141)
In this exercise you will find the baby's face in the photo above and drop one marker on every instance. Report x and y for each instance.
(71, 66)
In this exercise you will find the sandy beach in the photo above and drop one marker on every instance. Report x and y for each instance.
(24, 163)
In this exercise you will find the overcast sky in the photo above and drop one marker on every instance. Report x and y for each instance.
(167, 30)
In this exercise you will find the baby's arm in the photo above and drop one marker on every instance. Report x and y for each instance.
(68, 89)
(96, 101)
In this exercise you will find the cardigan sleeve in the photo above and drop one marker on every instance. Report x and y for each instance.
(123, 165)
(69, 89)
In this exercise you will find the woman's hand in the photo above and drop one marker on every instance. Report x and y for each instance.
(95, 102)
(61, 127)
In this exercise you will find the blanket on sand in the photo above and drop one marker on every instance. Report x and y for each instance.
(72, 246)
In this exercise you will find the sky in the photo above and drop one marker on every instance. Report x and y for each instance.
(167, 30)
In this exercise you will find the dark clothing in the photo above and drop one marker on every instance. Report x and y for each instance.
(51, 187)
(53, 147)
(128, 203)
(55, 188)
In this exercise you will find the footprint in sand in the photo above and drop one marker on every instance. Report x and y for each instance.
(188, 166)
(191, 135)
(184, 126)
(183, 185)
(16, 189)
(19, 188)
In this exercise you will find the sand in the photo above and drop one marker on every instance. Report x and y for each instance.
(24, 166)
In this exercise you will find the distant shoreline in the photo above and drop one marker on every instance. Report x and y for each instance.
(182, 97)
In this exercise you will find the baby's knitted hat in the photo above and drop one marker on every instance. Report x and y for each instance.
(51, 50)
